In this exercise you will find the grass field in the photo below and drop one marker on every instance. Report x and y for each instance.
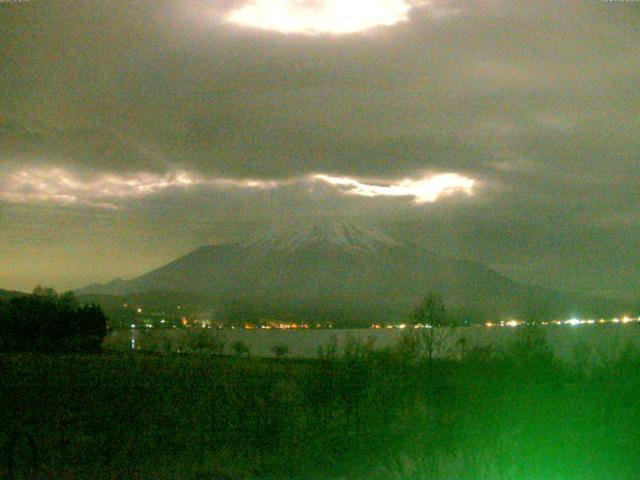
(366, 415)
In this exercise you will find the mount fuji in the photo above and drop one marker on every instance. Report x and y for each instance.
(348, 274)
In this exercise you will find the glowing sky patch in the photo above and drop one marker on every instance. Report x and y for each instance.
(320, 16)
(59, 186)
(62, 187)
(425, 190)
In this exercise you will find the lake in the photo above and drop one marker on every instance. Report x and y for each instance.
(602, 340)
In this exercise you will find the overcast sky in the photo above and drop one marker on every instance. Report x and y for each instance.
(501, 131)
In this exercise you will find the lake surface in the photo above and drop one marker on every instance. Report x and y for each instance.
(602, 340)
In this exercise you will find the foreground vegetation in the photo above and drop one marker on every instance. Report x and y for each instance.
(395, 414)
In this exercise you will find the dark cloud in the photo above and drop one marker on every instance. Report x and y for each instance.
(537, 101)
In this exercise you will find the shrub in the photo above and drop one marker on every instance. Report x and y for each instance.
(328, 351)
(279, 350)
(240, 348)
(358, 349)
(204, 340)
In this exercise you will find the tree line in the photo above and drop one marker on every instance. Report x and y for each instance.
(46, 321)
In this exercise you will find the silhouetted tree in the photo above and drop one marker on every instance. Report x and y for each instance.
(48, 322)
(431, 311)
(432, 314)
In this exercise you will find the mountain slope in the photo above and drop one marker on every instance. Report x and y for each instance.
(348, 274)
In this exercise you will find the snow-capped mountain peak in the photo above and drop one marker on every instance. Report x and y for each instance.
(338, 234)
